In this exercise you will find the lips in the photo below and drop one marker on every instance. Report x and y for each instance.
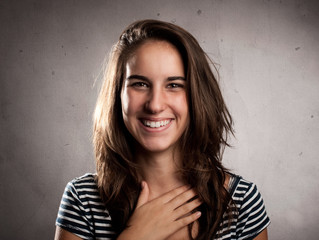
(155, 124)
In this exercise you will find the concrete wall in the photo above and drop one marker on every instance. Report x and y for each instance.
(51, 53)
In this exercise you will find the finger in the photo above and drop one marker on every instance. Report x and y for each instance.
(182, 222)
(165, 198)
(182, 198)
(143, 198)
(186, 209)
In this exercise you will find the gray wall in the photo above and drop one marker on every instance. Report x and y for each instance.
(51, 52)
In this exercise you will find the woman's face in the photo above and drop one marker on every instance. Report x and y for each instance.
(154, 102)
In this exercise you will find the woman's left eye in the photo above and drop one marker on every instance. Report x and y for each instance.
(175, 85)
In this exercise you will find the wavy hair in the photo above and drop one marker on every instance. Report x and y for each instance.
(202, 142)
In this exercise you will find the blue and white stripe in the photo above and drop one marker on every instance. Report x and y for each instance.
(250, 216)
(83, 213)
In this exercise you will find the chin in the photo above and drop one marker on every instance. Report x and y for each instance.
(157, 147)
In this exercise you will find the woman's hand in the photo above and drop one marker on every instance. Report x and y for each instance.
(161, 217)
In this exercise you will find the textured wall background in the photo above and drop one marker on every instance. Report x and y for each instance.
(51, 52)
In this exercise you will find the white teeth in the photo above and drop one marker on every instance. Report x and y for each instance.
(154, 124)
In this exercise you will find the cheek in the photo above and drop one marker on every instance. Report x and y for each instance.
(124, 103)
(130, 103)
(181, 105)
(125, 109)
(126, 100)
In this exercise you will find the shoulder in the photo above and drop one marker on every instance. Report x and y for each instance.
(87, 181)
(238, 187)
(82, 211)
(82, 192)
(82, 189)
(251, 214)
(86, 178)
(244, 193)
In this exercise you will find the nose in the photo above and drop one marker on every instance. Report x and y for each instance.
(156, 101)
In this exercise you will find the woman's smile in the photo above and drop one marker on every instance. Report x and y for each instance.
(155, 123)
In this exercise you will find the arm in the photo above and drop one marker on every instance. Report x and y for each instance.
(252, 218)
(61, 234)
(75, 213)
(262, 236)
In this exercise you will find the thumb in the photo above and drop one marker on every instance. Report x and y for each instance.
(143, 198)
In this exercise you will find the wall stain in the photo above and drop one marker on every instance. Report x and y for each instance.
(158, 14)
(300, 153)
(311, 116)
(297, 48)
(199, 12)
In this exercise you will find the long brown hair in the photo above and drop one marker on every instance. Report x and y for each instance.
(202, 142)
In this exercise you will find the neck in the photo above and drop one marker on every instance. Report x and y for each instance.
(160, 171)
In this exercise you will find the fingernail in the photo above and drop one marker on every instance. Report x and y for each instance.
(142, 184)
(198, 214)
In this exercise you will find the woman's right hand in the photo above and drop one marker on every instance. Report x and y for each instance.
(163, 216)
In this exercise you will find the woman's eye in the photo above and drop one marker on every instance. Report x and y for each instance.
(139, 84)
(175, 85)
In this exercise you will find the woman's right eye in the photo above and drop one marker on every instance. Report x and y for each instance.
(139, 84)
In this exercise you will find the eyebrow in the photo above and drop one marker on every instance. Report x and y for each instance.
(140, 77)
(176, 78)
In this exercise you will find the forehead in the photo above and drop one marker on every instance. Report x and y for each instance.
(156, 55)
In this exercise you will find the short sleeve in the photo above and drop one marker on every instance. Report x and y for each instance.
(71, 215)
(252, 218)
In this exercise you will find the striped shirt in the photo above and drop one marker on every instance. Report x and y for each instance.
(249, 217)
(82, 212)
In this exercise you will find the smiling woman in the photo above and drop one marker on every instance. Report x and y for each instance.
(160, 127)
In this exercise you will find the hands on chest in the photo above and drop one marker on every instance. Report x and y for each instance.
(165, 217)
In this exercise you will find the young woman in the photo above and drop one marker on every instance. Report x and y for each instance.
(160, 127)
